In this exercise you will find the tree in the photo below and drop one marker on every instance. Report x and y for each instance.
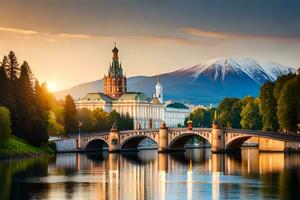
(5, 124)
(39, 116)
(201, 117)
(100, 120)
(24, 99)
(4, 83)
(54, 128)
(289, 105)
(13, 69)
(250, 116)
(70, 115)
(235, 111)
(268, 107)
(280, 83)
(85, 117)
(113, 116)
(225, 110)
(125, 122)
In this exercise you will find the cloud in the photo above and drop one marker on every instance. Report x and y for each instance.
(17, 30)
(226, 35)
(66, 36)
(73, 36)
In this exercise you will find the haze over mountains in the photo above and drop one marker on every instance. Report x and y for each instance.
(205, 83)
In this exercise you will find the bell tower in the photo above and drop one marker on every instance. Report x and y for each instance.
(115, 83)
(159, 91)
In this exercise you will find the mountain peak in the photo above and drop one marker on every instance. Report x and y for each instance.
(259, 71)
(204, 83)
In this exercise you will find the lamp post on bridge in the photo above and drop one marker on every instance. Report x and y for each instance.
(79, 125)
(78, 140)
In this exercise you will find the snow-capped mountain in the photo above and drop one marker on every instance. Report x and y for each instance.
(259, 71)
(204, 83)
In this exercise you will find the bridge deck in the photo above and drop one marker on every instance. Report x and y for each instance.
(256, 133)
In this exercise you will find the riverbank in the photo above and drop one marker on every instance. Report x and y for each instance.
(18, 148)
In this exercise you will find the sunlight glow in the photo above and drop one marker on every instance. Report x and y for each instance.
(52, 86)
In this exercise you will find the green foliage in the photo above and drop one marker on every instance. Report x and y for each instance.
(100, 120)
(85, 117)
(5, 124)
(268, 107)
(24, 100)
(250, 116)
(28, 103)
(125, 122)
(235, 111)
(54, 128)
(280, 83)
(201, 117)
(13, 69)
(228, 109)
(70, 115)
(4, 89)
(289, 105)
(39, 116)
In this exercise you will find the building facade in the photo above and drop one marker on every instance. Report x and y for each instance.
(146, 112)
(115, 81)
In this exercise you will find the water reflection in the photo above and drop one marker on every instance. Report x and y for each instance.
(194, 174)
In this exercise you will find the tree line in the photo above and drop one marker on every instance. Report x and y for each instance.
(277, 108)
(29, 111)
(25, 99)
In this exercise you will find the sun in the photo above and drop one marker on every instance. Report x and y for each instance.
(52, 86)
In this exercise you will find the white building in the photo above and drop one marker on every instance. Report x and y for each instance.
(146, 112)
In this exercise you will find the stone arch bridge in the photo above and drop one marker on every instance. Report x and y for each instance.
(168, 139)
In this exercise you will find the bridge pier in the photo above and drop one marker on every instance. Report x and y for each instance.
(217, 139)
(114, 139)
(163, 139)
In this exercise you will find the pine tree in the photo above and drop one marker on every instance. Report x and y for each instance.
(70, 115)
(25, 98)
(268, 107)
(13, 69)
(39, 116)
(3, 83)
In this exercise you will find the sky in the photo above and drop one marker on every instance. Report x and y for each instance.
(68, 42)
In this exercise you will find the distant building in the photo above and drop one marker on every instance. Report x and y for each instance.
(115, 81)
(146, 112)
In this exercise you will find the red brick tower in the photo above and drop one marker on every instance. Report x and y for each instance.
(115, 81)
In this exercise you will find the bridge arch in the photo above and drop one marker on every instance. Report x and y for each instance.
(96, 145)
(179, 141)
(237, 142)
(132, 142)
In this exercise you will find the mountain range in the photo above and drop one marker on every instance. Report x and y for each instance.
(204, 83)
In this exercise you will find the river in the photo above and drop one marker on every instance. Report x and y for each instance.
(194, 174)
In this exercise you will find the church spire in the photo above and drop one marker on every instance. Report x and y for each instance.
(115, 52)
